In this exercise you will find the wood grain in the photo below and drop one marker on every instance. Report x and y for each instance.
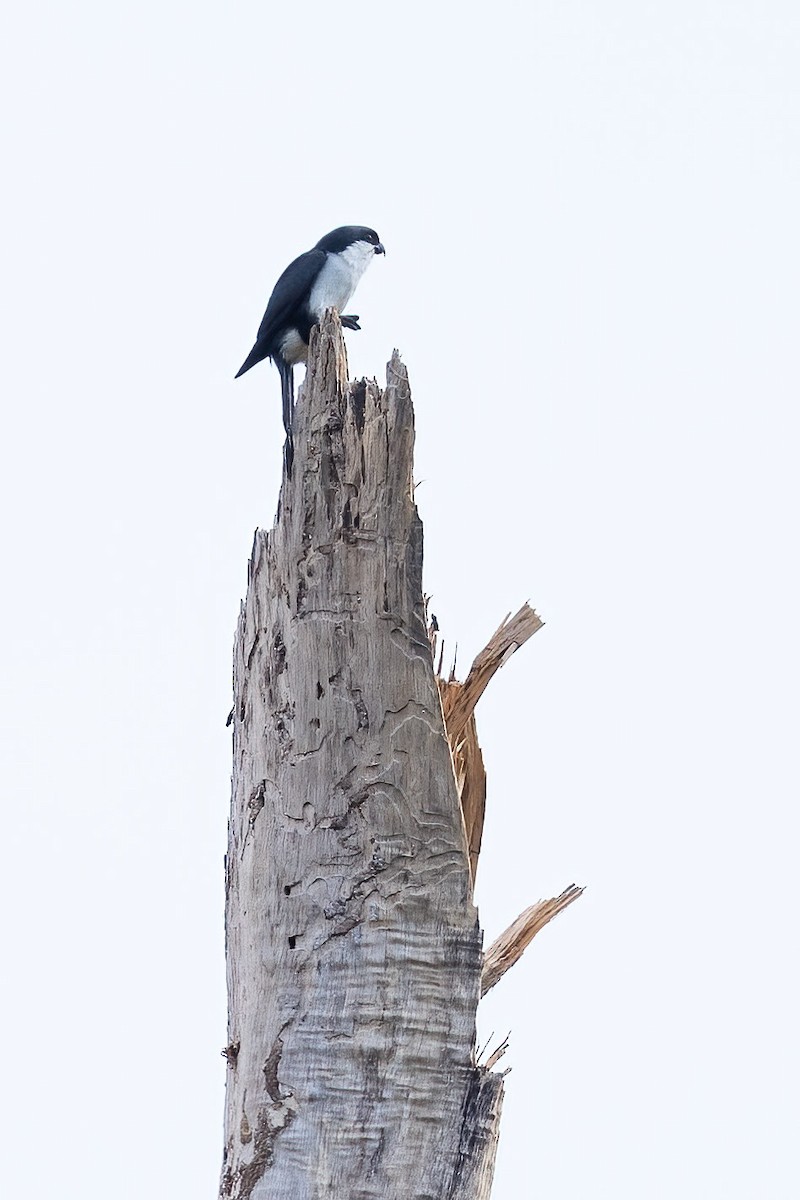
(353, 947)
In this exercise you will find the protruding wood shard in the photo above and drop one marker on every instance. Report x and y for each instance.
(458, 706)
(513, 632)
(511, 945)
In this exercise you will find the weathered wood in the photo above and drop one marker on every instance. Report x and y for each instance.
(353, 947)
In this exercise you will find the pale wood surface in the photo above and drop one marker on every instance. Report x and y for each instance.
(353, 948)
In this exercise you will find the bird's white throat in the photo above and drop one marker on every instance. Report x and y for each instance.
(338, 278)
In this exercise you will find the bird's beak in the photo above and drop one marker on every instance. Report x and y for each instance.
(379, 248)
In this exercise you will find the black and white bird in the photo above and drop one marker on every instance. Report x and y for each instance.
(324, 277)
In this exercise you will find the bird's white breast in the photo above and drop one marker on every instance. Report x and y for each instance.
(338, 278)
(293, 349)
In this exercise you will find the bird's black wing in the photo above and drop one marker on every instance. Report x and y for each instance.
(288, 295)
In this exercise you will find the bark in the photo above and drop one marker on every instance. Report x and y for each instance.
(353, 946)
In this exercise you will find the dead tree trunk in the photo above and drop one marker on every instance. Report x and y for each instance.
(354, 952)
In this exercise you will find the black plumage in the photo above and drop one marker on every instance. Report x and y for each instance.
(321, 278)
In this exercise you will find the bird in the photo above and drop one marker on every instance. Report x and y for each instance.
(322, 278)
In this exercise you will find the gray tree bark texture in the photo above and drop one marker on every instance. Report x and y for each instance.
(354, 954)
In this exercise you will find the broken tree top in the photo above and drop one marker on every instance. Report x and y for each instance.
(354, 952)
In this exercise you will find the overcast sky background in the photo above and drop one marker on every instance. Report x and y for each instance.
(590, 212)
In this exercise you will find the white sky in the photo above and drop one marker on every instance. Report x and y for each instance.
(591, 218)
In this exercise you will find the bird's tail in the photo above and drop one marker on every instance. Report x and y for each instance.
(287, 395)
(256, 355)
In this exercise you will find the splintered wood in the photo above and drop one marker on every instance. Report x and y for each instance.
(458, 704)
(510, 946)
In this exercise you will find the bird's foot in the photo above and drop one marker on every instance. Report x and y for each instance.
(349, 322)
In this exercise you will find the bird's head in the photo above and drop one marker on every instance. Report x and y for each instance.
(346, 236)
